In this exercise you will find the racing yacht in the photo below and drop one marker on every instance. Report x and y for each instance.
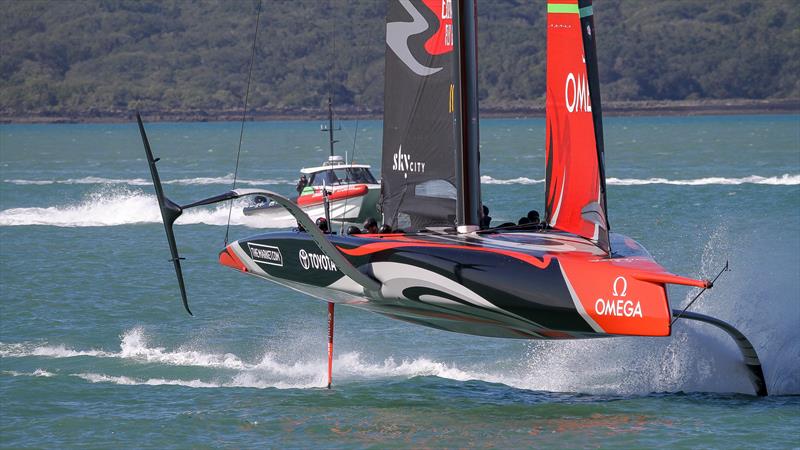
(572, 279)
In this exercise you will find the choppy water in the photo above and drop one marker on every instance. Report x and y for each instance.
(95, 350)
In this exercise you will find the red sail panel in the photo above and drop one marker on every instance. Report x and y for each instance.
(574, 201)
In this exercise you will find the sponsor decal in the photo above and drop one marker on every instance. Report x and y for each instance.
(402, 162)
(618, 305)
(315, 261)
(576, 93)
(398, 35)
(266, 254)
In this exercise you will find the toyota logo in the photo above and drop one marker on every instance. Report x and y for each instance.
(304, 258)
(615, 289)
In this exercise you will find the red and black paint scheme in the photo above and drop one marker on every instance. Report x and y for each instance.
(547, 285)
(572, 279)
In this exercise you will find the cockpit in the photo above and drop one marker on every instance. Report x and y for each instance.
(349, 175)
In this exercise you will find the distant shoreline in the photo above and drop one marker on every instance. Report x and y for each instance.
(520, 110)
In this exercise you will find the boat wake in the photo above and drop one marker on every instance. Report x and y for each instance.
(198, 181)
(694, 359)
(268, 371)
(782, 180)
(121, 206)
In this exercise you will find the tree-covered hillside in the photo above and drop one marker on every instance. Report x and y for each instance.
(110, 56)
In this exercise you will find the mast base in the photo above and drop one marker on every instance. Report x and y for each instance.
(464, 229)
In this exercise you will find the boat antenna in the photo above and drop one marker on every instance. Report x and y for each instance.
(355, 136)
(331, 140)
(244, 115)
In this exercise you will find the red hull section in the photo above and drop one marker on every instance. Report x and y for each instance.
(356, 190)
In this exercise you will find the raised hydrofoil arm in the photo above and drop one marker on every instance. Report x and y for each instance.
(170, 211)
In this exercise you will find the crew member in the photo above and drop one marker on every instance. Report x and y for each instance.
(322, 224)
(486, 220)
(385, 229)
(533, 216)
(301, 184)
(371, 226)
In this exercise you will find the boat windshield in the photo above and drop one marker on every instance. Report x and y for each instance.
(342, 176)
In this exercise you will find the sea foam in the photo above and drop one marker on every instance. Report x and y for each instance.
(121, 206)
(197, 181)
(781, 180)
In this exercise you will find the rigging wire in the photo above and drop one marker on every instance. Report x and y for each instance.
(678, 316)
(244, 115)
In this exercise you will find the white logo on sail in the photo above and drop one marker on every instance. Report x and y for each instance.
(576, 93)
(402, 162)
(619, 307)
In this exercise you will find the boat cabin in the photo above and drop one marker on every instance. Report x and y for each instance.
(336, 172)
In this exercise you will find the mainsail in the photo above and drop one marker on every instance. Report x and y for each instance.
(575, 187)
(418, 173)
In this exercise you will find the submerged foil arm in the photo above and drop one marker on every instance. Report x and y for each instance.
(751, 361)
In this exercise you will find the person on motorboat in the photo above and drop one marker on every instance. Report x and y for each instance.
(352, 229)
(371, 226)
(523, 220)
(322, 224)
(301, 184)
(385, 229)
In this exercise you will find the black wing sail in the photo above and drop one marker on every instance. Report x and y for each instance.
(418, 173)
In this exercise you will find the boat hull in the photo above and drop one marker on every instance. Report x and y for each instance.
(512, 285)
(353, 210)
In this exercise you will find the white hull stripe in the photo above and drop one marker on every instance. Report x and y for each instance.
(578, 305)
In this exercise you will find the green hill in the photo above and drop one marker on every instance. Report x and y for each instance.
(105, 57)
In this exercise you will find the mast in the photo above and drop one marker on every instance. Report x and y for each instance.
(331, 140)
(590, 50)
(466, 133)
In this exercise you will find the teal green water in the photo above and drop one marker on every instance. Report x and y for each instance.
(96, 351)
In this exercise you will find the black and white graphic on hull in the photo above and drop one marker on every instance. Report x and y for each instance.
(266, 254)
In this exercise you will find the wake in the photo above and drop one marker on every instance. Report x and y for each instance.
(122, 207)
(693, 360)
(781, 180)
(269, 371)
(197, 181)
